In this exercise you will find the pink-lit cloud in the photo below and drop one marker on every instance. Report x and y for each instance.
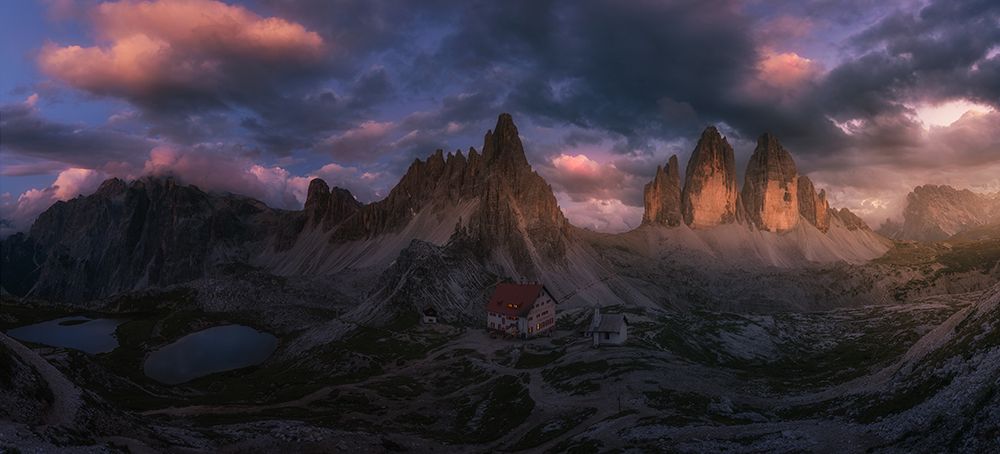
(602, 215)
(274, 185)
(583, 179)
(594, 195)
(360, 142)
(874, 185)
(216, 171)
(782, 76)
(18, 213)
(176, 45)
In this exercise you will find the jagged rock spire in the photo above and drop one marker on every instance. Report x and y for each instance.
(328, 207)
(710, 193)
(516, 214)
(770, 193)
(502, 145)
(812, 206)
(662, 196)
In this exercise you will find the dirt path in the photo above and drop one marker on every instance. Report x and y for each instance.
(66, 396)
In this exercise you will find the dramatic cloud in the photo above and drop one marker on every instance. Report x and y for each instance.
(583, 179)
(785, 72)
(603, 215)
(180, 47)
(220, 170)
(28, 134)
(18, 214)
(869, 96)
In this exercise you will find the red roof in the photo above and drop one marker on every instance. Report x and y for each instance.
(515, 299)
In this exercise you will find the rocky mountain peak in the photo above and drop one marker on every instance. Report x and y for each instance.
(328, 207)
(849, 219)
(936, 212)
(317, 200)
(150, 232)
(812, 206)
(662, 196)
(112, 187)
(502, 145)
(516, 211)
(770, 189)
(342, 205)
(710, 194)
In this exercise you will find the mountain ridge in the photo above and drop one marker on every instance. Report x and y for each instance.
(937, 212)
(492, 203)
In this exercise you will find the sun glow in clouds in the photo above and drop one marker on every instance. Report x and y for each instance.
(946, 113)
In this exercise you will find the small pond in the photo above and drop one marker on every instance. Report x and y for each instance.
(79, 333)
(212, 350)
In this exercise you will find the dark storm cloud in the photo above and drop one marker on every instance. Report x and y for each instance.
(284, 122)
(375, 84)
(27, 134)
(615, 66)
(185, 65)
(935, 53)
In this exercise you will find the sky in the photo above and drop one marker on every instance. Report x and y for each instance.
(871, 97)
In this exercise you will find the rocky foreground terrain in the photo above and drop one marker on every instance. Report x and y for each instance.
(761, 319)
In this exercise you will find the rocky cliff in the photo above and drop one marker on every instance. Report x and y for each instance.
(328, 208)
(770, 188)
(850, 220)
(813, 206)
(935, 213)
(155, 232)
(662, 196)
(515, 212)
(710, 195)
(147, 233)
(518, 211)
(774, 196)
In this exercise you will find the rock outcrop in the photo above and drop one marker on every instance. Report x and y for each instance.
(148, 233)
(770, 189)
(935, 213)
(662, 196)
(812, 206)
(328, 207)
(516, 212)
(850, 220)
(710, 195)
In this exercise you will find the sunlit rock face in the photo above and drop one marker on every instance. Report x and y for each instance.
(662, 196)
(710, 193)
(812, 206)
(770, 190)
(935, 213)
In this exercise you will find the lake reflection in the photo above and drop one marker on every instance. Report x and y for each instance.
(79, 333)
(209, 351)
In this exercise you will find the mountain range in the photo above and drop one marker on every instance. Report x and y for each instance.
(760, 318)
(936, 213)
(155, 232)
